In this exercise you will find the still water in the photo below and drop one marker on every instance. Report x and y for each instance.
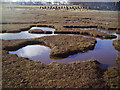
(26, 34)
(104, 52)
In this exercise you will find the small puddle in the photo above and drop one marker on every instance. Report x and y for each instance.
(34, 52)
(25, 34)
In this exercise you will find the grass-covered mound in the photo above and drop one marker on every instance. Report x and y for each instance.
(21, 72)
(61, 45)
(116, 44)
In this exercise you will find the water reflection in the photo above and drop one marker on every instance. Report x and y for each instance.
(104, 31)
(21, 35)
(104, 52)
(25, 34)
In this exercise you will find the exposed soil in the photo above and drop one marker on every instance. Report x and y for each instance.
(118, 31)
(38, 31)
(65, 45)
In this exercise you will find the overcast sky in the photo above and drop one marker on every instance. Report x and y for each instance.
(66, 0)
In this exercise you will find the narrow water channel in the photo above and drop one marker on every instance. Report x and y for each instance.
(26, 34)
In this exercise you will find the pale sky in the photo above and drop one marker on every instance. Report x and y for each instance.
(66, 0)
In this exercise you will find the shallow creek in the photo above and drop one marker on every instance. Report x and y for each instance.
(26, 34)
(104, 51)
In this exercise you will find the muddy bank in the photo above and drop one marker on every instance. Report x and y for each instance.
(112, 78)
(116, 44)
(65, 45)
(20, 72)
(61, 45)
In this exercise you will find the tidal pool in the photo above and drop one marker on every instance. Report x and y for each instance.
(25, 34)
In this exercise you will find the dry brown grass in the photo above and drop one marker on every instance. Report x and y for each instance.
(20, 72)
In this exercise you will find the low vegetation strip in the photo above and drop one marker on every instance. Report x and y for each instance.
(65, 45)
(92, 33)
(19, 72)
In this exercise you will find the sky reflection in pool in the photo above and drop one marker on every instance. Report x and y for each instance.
(104, 52)
(25, 34)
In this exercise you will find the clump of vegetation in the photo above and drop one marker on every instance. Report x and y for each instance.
(38, 31)
(118, 31)
(65, 45)
(116, 44)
